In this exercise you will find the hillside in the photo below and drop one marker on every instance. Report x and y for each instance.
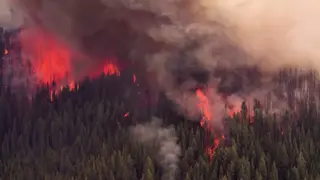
(85, 134)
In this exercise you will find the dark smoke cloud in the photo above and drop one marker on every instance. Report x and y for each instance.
(231, 47)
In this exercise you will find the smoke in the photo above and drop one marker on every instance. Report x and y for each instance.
(277, 33)
(10, 17)
(234, 47)
(161, 140)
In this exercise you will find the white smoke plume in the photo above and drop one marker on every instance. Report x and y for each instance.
(162, 141)
(234, 45)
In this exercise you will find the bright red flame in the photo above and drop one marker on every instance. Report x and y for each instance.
(126, 114)
(205, 109)
(50, 58)
(204, 105)
(111, 69)
(72, 85)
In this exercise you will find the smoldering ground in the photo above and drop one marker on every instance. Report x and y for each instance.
(230, 46)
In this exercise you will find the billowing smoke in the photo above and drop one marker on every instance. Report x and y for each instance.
(232, 47)
(163, 142)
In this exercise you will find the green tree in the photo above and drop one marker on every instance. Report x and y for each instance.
(149, 166)
(294, 174)
(147, 175)
(258, 176)
(273, 175)
(148, 172)
(243, 169)
(301, 164)
(263, 167)
(224, 178)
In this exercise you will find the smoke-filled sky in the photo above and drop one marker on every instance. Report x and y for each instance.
(287, 29)
(177, 39)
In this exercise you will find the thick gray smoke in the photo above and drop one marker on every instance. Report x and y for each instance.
(230, 46)
(163, 142)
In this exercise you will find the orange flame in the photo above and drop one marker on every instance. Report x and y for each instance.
(51, 59)
(205, 109)
(204, 105)
(111, 69)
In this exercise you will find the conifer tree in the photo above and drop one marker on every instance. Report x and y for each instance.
(273, 175)
(263, 167)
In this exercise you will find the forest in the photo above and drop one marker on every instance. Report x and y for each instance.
(85, 133)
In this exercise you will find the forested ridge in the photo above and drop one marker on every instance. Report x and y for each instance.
(82, 134)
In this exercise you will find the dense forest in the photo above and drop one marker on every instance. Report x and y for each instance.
(85, 134)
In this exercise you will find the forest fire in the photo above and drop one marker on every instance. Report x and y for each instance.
(111, 69)
(204, 107)
(51, 59)
(205, 67)
(207, 116)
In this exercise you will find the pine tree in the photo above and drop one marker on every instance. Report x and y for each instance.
(243, 169)
(148, 170)
(301, 164)
(149, 166)
(244, 111)
(147, 175)
(224, 178)
(258, 176)
(294, 174)
(273, 175)
(263, 167)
